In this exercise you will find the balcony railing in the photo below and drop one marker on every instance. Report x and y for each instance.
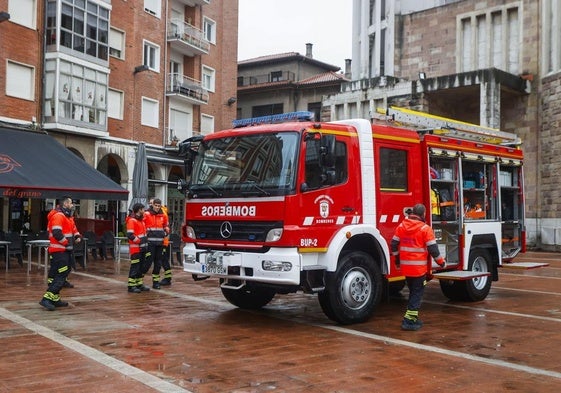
(187, 88)
(273, 77)
(193, 3)
(187, 39)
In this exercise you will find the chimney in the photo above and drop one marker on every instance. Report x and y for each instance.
(309, 50)
(348, 73)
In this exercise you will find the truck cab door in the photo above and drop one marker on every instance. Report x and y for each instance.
(399, 182)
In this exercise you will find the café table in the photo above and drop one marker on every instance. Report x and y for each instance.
(118, 240)
(43, 248)
(6, 245)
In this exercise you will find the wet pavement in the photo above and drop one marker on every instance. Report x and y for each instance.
(187, 338)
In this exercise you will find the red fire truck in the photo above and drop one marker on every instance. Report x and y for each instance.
(280, 204)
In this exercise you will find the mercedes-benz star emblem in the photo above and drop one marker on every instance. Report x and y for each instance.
(226, 229)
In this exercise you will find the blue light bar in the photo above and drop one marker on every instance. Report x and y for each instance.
(280, 118)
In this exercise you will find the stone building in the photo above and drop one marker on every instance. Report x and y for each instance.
(490, 62)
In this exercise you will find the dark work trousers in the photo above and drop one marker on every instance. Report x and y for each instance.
(58, 271)
(154, 256)
(138, 260)
(166, 263)
(416, 289)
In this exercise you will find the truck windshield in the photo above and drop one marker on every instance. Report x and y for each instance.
(246, 165)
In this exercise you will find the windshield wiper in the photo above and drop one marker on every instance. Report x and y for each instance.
(201, 190)
(254, 189)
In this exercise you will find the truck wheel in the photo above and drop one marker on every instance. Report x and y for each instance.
(472, 290)
(478, 288)
(353, 290)
(249, 298)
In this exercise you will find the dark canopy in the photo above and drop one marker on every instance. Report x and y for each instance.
(35, 165)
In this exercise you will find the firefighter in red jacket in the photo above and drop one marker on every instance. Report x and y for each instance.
(136, 233)
(62, 234)
(157, 229)
(412, 242)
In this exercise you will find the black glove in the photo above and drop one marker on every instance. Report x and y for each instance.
(397, 261)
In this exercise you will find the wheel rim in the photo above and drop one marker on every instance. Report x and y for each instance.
(356, 288)
(480, 266)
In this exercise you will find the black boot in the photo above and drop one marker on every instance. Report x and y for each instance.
(48, 304)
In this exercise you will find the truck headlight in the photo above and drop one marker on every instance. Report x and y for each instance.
(274, 235)
(276, 266)
(190, 232)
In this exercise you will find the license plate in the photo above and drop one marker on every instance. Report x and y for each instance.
(213, 269)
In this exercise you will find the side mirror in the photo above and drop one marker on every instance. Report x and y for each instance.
(182, 186)
(328, 151)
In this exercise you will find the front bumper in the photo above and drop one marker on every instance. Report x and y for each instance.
(245, 265)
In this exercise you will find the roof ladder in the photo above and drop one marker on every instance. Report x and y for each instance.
(449, 127)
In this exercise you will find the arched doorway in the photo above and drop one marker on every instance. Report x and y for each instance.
(112, 166)
(176, 200)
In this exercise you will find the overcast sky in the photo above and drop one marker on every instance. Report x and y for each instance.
(268, 27)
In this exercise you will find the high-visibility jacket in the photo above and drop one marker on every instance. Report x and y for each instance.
(157, 227)
(136, 233)
(62, 231)
(412, 241)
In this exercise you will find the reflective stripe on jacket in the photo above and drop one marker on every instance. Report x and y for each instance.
(61, 231)
(156, 226)
(136, 232)
(413, 237)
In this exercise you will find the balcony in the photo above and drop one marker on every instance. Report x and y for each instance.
(277, 77)
(187, 89)
(187, 39)
(192, 3)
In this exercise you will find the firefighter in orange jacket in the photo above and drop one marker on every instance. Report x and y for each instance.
(157, 228)
(136, 233)
(62, 234)
(412, 242)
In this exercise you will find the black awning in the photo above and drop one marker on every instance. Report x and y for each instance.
(35, 165)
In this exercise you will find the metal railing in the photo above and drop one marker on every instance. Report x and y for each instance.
(272, 77)
(187, 87)
(187, 33)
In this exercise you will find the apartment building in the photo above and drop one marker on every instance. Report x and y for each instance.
(100, 76)
(285, 82)
(491, 62)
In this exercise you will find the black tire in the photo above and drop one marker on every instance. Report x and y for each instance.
(473, 290)
(354, 290)
(452, 289)
(249, 298)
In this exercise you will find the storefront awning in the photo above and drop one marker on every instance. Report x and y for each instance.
(35, 165)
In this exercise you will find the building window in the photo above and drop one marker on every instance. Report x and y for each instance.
(79, 96)
(117, 44)
(115, 103)
(209, 28)
(266, 110)
(551, 31)
(23, 12)
(20, 81)
(84, 27)
(208, 78)
(153, 7)
(490, 39)
(180, 124)
(150, 113)
(207, 124)
(276, 76)
(152, 56)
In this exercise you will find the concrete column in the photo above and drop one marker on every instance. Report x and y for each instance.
(490, 102)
